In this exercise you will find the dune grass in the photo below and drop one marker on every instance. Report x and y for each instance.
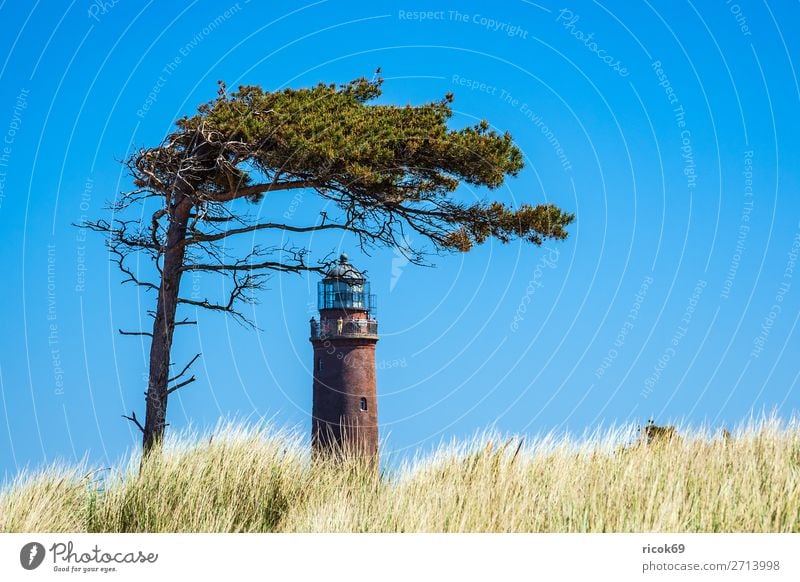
(259, 480)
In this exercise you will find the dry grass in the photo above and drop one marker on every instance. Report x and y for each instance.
(254, 479)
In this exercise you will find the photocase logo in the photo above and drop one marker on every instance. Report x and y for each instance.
(31, 555)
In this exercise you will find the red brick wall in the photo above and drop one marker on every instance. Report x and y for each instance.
(347, 376)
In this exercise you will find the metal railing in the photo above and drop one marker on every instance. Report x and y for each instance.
(330, 298)
(331, 328)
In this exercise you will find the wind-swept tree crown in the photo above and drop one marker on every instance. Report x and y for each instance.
(388, 168)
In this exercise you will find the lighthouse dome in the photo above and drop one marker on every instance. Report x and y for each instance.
(344, 270)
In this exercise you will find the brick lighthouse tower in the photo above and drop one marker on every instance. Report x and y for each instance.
(345, 409)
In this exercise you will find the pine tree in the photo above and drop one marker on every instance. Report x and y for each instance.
(389, 171)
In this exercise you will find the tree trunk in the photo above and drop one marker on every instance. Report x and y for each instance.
(163, 329)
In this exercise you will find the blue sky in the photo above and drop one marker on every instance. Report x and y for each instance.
(669, 128)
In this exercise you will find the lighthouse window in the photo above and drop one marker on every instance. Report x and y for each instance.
(363, 405)
(319, 365)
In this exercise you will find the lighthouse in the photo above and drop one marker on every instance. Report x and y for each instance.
(345, 407)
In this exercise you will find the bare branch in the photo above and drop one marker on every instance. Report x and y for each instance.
(266, 265)
(132, 278)
(134, 420)
(200, 237)
(157, 215)
(181, 385)
(204, 217)
(122, 332)
(118, 235)
(242, 286)
(185, 369)
(205, 304)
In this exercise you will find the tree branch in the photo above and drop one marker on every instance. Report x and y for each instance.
(241, 286)
(266, 265)
(135, 421)
(192, 361)
(181, 385)
(262, 189)
(157, 215)
(200, 237)
(135, 333)
(132, 278)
